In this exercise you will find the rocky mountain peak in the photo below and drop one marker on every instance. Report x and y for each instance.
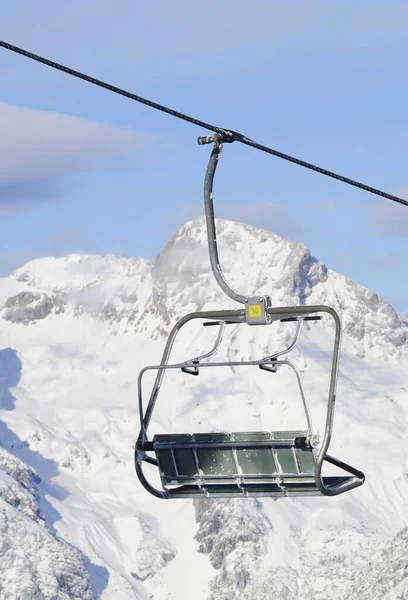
(145, 297)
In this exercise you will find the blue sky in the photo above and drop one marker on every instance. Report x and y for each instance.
(83, 170)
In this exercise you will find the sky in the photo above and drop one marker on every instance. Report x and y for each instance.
(85, 170)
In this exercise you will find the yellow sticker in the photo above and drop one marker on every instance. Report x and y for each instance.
(255, 310)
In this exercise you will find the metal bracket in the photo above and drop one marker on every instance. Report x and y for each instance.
(256, 310)
(269, 366)
(193, 370)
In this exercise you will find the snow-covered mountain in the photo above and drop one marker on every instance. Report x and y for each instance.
(76, 330)
(34, 563)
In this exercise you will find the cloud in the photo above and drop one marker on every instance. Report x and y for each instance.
(272, 216)
(390, 218)
(17, 194)
(41, 151)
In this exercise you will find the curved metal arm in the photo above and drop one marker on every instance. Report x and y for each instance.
(345, 486)
(358, 478)
(291, 345)
(214, 349)
(139, 458)
(209, 218)
(302, 393)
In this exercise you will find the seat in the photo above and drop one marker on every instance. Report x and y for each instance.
(257, 463)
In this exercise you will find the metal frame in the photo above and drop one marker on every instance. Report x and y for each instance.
(217, 140)
(238, 316)
(326, 486)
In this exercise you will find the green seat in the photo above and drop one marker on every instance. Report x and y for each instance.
(292, 460)
(177, 465)
(241, 464)
(255, 461)
(225, 459)
(214, 462)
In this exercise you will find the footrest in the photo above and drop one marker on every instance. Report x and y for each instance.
(306, 488)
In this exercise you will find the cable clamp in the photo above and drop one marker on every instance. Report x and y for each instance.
(224, 136)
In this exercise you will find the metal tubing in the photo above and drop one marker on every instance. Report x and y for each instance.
(291, 346)
(356, 481)
(210, 222)
(302, 392)
(226, 444)
(294, 341)
(213, 349)
(246, 478)
(163, 494)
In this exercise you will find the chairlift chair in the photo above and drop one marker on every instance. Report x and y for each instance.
(241, 464)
